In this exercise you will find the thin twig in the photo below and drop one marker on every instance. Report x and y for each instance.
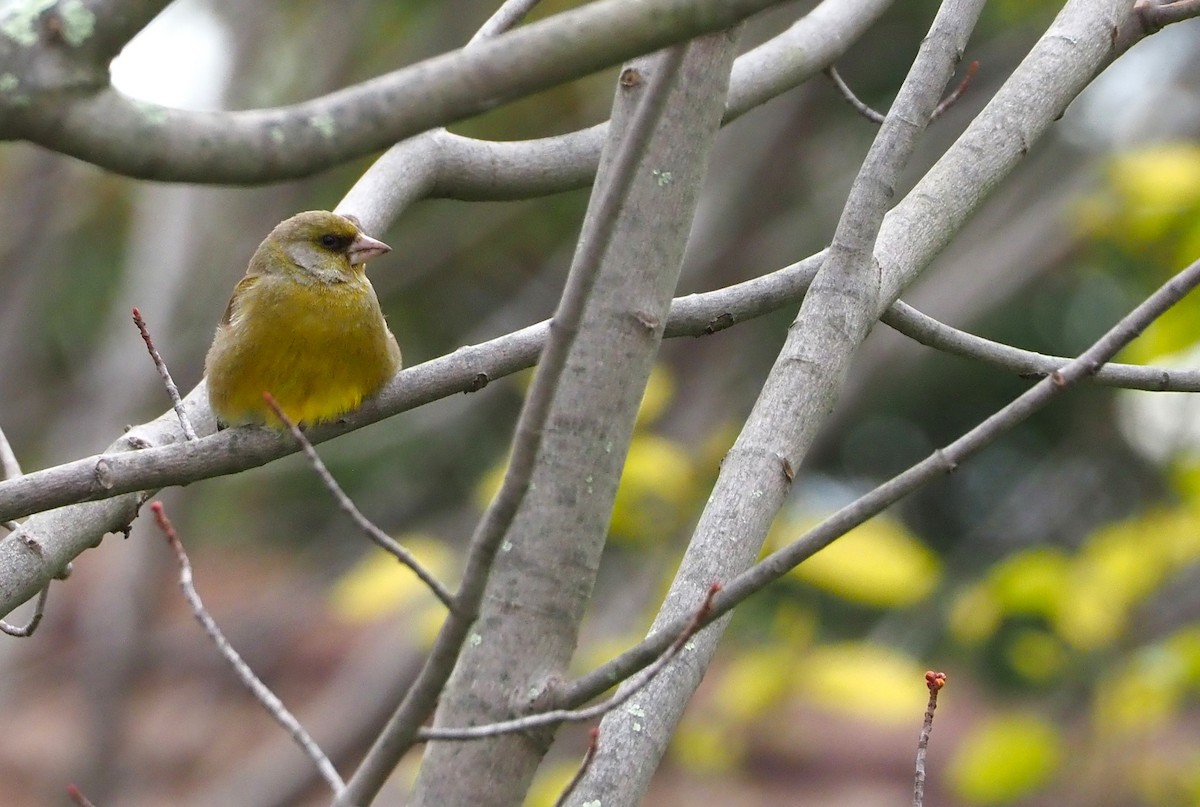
(932, 333)
(935, 681)
(347, 506)
(507, 16)
(951, 99)
(852, 99)
(939, 463)
(165, 374)
(877, 117)
(593, 744)
(39, 609)
(401, 731)
(556, 716)
(261, 691)
(76, 795)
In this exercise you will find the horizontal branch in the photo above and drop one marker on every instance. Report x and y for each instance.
(932, 333)
(441, 164)
(473, 367)
(467, 369)
(139, 139)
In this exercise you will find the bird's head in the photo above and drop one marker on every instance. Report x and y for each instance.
(324, 246)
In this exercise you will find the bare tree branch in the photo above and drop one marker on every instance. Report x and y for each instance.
(839, 309)
(505, 18)
(165, 375)
(261, 692)
(934, 681)
(99, 124)
(937, 464)
(556, 716)
(39, 609)
(401, 731)
(465, 370)
(440, 164)
(1149, 17)
(931, 333)
(593, 744)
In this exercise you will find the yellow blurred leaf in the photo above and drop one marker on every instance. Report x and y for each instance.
(1036, 655)
(656, 486)
(378, 585)
(864, 679)
(660, 389)
(550, 783)
(1005, 759)
(1145, 693)
(1030, 582)
(879, 563)
(1156, 184)
(705, 745)
(974, 614)
(755, 681)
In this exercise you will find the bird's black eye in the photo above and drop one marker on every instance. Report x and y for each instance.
(329, 241)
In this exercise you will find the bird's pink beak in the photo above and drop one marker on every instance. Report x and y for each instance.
(363, 248)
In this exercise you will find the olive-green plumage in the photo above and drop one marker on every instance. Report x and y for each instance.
(304, 325)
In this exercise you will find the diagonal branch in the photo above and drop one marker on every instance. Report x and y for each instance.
(842, 304)
(939, 463)
(347, 506)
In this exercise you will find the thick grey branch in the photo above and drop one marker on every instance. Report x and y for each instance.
(756, 475)
(440, 164)
(937, 464)
(401, 731)
(104, 127)
(232, 451)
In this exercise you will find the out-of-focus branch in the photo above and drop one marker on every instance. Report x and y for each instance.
(80, 115)
(261, 692)
(116, 22)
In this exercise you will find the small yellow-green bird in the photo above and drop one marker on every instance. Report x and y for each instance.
(304, 325)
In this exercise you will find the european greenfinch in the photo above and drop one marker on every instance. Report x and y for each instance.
(304, 324)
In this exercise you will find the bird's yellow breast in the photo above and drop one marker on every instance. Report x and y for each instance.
(318, 348)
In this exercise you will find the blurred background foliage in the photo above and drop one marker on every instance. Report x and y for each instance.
(1054, 578)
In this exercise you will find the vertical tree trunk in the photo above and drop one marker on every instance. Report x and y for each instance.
(543, 579)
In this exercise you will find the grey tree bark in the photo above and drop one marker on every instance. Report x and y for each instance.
(543, 579)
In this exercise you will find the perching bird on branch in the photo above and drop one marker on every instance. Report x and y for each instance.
(304, 324)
